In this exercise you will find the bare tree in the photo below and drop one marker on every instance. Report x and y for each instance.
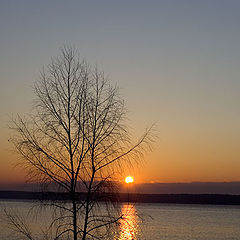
(77, 139)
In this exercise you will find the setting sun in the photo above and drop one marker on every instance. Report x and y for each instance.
(129, 179)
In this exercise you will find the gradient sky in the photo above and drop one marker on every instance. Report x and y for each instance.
(177, 63)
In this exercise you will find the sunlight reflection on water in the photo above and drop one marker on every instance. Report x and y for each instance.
(128, 224)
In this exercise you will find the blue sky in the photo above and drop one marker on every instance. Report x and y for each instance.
(176, 62)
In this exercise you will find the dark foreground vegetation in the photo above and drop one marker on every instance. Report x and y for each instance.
(217, 199)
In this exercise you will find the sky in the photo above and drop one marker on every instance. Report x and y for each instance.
(177, 63)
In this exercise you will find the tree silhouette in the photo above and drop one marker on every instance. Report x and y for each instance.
(76, 139)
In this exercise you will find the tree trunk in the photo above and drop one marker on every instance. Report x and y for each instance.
(74, 217)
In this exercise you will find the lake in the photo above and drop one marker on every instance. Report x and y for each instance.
(159, 221)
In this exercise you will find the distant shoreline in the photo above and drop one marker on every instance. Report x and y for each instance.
(208, 199)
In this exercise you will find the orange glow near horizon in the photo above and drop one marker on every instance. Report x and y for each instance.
(129, 179)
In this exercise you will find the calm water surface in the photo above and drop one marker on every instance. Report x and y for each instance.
(161, 221)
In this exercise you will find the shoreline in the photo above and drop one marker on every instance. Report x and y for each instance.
(203, 199)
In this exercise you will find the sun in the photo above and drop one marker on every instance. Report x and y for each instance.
(129, 179)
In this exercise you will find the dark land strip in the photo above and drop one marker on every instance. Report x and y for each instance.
(214, 199)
